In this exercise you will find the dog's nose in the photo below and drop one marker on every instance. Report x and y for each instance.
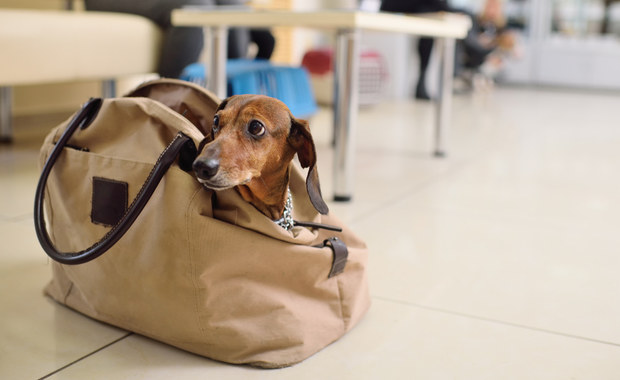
(206, 169)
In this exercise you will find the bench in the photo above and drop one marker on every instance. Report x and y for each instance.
(54, 46)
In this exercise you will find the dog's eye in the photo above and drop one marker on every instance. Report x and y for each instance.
(256, 128)
(216, 123)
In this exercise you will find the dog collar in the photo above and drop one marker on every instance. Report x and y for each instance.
(286, 221)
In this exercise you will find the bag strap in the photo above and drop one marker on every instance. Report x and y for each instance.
(341, 254)
(181, 144)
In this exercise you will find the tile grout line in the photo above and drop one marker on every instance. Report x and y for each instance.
(16, 218)
(409, 191)
(499, 322)
(86, 356)
(416, 188)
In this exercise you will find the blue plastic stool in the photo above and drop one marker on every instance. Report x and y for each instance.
(291, 85)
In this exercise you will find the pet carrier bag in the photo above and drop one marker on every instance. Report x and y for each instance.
(140, 244)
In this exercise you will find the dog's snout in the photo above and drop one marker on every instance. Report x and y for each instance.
(206, 168)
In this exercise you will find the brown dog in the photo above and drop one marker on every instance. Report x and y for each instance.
(253, 140)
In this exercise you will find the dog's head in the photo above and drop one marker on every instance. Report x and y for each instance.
(255, 137)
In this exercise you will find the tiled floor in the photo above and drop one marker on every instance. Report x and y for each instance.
(501, 261)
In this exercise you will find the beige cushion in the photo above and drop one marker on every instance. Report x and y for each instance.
(54, 46)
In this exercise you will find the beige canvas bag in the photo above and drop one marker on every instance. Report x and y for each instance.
(202, 271)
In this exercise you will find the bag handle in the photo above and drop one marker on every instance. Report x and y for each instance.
(181, 144)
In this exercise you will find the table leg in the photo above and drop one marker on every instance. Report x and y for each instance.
(346, 69)
(6, 115)
(444, 107)
(217, 38)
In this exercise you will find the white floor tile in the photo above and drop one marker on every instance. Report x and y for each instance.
(38, 335)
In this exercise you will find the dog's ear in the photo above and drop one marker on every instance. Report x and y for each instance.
(301, 140)
(223, 104)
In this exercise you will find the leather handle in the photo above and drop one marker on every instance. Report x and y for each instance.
(179, 144)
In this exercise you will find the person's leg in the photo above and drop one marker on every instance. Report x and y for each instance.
(180, 47)
(425, 48)
(238, 42)
(265, 42)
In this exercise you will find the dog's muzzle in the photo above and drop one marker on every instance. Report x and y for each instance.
(206, 168)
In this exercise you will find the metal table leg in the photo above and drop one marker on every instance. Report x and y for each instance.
(346, 76)
(6, 126)
(217, 37)
(444, 106)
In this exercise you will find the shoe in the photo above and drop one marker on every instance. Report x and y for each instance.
(420, 92)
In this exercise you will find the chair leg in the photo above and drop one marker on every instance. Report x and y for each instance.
(6, 115)
(108, 88)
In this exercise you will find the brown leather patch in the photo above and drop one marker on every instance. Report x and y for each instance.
(109, 201)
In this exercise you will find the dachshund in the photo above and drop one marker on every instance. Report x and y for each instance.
(252, 142)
